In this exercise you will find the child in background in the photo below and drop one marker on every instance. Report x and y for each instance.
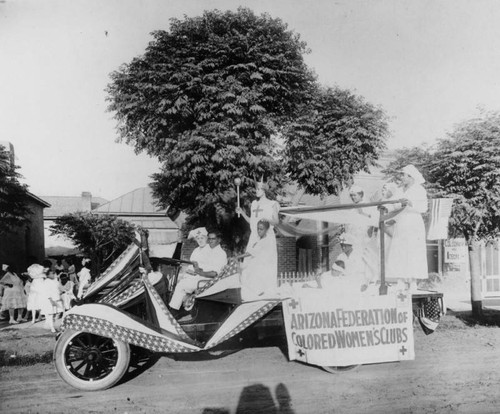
(51, 300)
(35, 297)
(67, 290)
(84, 278)
(27, 288)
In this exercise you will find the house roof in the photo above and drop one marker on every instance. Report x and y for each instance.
(61, 205)
(156, 223)
(139, 202)
(38, 200)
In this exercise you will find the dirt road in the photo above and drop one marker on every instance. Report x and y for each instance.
(457, 370)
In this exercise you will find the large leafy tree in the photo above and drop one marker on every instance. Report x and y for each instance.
(335, 136)
(14, 196)
(228, 95)
(466, 166)
(100, 237)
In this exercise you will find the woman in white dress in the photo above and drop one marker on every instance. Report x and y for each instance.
(13, 295)
(35, 297)
(263, 209)
(258, 277)
(407, 256)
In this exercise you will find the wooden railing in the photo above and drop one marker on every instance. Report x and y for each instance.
(295, 277)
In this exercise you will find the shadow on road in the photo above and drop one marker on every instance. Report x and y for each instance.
(140, 360)
(232, 346)
(258, 399)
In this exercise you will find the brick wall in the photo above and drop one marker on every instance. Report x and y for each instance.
(287, 254)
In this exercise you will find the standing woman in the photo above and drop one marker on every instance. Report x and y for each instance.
(13, 295)
(407, 256)
(263, 209)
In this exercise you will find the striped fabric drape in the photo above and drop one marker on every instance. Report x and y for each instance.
(440, 211)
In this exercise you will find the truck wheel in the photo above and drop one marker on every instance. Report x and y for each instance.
(90, 362)
(336, 370)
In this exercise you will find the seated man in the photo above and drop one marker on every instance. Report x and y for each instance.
(211, 260)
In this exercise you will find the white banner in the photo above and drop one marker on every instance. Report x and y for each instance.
(338, 330)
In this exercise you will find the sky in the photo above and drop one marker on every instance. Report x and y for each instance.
(428, 64)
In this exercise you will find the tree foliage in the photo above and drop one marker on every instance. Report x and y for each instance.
(465, 166)
(337, 135)
(218, 96)
(14, 196)
(100, 237)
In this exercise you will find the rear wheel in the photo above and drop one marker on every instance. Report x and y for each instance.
(90, 362)
(338, 369)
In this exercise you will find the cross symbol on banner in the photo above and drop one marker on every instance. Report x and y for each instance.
(403, 350)
(402, 297)
(256, 211)
(301, 352)
(293, 303)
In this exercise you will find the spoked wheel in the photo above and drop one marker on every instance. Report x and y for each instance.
(90, 362)
(339, 369)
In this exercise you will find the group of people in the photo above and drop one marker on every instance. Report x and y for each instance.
(45, 290)
(358, 262)
(260, 261)
(405, 244)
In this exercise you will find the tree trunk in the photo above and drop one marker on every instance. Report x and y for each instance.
(475, 278)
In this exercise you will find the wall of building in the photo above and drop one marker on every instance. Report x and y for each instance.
(25, 245)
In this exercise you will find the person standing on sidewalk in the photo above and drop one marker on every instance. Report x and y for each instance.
(13, 296)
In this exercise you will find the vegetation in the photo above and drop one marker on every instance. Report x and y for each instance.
(465, 166)
(14, 196)
(102, 238)
(228, 95)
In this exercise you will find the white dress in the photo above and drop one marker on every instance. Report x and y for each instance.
(407, 255)
(13, 297)
(84, 279)
(258, 276)
(67, 294)
(50, 302)
(264, 209)
(35, 295)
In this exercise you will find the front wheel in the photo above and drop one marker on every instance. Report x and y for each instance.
(338, 369)
(90, 362)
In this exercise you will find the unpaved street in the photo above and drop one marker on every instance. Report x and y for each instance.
(457, 370)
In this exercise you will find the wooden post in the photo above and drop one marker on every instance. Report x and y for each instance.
(381, 229)
(475, 278)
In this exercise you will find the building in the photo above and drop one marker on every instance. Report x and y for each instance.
(140, 208)
(24, 245)
(56, 245)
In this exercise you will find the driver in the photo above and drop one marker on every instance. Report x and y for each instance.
(208, 262)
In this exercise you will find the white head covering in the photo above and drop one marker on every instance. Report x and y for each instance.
(338, 268)
(36, 271)
(414, 173)
(5, 267)
(200, 231)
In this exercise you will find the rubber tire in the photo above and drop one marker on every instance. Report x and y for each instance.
(339, 369)
(121, 366)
